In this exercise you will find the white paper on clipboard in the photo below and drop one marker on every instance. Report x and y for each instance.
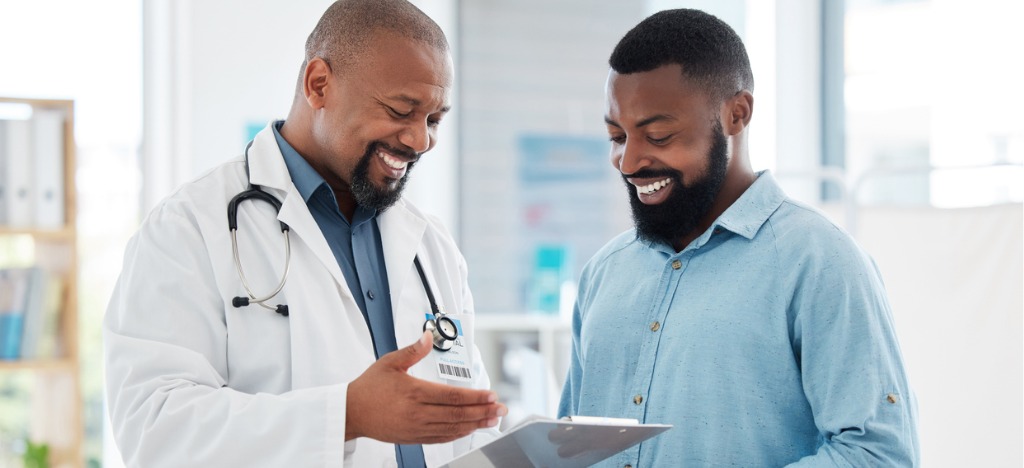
(552, 443)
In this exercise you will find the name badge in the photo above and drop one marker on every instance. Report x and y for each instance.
(455, 363)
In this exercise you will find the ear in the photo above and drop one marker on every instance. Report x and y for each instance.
(736, 112)
(314, 82)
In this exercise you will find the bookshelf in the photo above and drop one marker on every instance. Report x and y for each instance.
(38, 231)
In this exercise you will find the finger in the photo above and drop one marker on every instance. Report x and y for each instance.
(440, 414)
(406, 357)
(441, 394)
(438, 433)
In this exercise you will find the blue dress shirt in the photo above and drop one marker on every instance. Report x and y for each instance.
(767, 341)
(358, 249)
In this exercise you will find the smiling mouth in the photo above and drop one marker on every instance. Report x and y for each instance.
(653, 187)
(391, 161)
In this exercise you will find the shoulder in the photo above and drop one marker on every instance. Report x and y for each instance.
(795, 227)
(812, 247)
(202, 199)
(613, 250)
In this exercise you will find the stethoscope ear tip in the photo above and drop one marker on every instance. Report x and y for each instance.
(282, 309)
(240, 301)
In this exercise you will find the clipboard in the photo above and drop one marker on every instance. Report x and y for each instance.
(561, 443)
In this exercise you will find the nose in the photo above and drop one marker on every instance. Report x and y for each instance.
(419, 137)
(629, 157)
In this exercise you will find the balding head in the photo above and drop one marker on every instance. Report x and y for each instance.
(345, 30)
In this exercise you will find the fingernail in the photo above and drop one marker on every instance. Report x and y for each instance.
(502, 411)
(492, 397)
(492, 422)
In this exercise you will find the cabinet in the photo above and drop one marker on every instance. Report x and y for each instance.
(40, 398)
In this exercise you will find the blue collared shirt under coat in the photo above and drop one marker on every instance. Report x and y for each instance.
(767, 341)
(356, 245)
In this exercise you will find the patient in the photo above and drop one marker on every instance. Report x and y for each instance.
(750, 322)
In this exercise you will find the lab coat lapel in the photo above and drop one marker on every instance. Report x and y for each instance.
(267, 169)
(314, 315)
(401, 232)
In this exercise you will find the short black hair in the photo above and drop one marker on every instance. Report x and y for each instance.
(707, 49)
(345, 30)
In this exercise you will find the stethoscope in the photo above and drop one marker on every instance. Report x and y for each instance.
(442, 328)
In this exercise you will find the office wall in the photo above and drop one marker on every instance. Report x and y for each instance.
(529, 67)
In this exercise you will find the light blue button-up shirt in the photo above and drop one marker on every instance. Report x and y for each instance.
(765, 342)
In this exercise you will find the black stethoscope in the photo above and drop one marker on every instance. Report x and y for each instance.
(443, 329)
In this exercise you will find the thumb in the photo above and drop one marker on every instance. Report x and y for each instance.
(406, 357)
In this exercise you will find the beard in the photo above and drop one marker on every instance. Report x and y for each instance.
(369, 195)
(687, 205)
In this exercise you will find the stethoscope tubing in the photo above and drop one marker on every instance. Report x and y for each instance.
(438, 325)
(245, 282)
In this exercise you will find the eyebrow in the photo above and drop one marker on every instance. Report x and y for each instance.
(416, 102)
(644, 122)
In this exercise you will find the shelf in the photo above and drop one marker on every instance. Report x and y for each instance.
(55, 408)
(38, 365)
(61, 234)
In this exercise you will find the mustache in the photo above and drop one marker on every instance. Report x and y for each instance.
(412, 156)
(648, 173)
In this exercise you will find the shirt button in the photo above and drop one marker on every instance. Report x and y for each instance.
(676, 264)
(628, 466)
(655, 326)
(638, 399)
(891, 398)
(369, 294)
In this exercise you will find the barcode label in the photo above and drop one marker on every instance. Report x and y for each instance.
(454, 372)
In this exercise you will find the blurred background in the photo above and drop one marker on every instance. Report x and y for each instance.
(900, 119)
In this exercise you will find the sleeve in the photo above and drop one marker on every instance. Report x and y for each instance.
(852, 368)
(165, 344)
(569, 404)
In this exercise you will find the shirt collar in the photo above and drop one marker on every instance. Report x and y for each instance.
(308, 181)
(749, 212)
(305, 178)
(744, 217)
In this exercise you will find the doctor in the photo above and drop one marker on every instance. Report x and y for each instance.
(199, 373)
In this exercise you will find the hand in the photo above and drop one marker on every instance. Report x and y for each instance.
(387, 404)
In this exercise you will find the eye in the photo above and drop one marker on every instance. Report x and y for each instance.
(617, 139)
(658, 141)
(433, 122)
(394, 112)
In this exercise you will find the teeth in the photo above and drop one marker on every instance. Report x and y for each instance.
(651, 188)
(391, 161)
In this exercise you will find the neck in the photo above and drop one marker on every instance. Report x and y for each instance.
(297, 132)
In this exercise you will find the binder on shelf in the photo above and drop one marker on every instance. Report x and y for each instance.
(48, 186)
(540, 441)
(13, 295)
(40, 334)
(18, 182)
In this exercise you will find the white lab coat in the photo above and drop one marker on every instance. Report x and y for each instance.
(194, 381)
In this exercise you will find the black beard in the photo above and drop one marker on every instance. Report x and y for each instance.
(370, 196)
(687, 205)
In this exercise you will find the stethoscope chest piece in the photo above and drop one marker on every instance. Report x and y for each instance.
(443, 330)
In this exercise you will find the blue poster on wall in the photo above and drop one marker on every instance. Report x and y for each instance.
(566, 187)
